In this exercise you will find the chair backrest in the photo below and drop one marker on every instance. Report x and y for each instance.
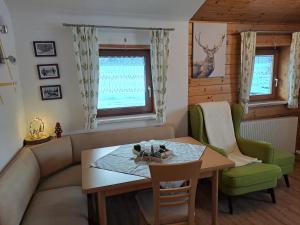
(171, 197)
(198, 125)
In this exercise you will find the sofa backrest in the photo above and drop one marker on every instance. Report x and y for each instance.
(18, 182)
(54, 155)
(117, 137)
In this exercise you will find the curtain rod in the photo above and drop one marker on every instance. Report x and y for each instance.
(269, 31)
(117, 27)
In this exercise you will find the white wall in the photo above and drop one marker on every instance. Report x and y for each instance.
(36, 26)
(12, 123)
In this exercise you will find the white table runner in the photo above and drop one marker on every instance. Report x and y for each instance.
(122, 159)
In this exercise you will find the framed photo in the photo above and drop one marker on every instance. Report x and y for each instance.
(44, 48)
(209, 49)
(51, 92)
(48, 71)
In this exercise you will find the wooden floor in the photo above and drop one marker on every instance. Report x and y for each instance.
(252, 209)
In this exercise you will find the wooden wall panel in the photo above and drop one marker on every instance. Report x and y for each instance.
(284, 57)
(226, 88)
(217, 88)
(276, 40)
(255, 11)
(270, 112)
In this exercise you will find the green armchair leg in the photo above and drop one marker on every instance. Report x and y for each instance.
(286, 178)
(272, 193)
(230, 205)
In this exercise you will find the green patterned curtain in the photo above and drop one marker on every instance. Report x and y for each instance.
(248, 45)
(86, 58)
(294, 71)
(159, 66)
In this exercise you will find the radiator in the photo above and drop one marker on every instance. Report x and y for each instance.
(280, 132)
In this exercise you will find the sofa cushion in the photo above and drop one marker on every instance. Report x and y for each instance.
(251, 174)
(67, 177)
(61, 206)
(53, 155)
(18, 182)
(117, 137)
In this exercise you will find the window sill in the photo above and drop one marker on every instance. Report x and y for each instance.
(267, 103)
(120, 119)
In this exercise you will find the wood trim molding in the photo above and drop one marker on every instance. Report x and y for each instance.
(124, 46)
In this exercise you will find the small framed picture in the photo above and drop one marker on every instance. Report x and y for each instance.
(51, 92)
(44, 48)
(48, 71)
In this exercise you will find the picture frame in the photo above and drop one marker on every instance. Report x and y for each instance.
(48, 71)
(51, 92)
(209, 50)
(44, 48)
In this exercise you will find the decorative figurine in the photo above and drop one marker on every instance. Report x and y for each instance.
(154, 152)
(36, 134)
(58, 131)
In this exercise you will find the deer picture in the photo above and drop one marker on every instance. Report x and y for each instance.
(206, 67)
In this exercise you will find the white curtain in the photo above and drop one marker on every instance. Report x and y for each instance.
(294, 71)
(159, 66)
(86, 58)
(248, 45)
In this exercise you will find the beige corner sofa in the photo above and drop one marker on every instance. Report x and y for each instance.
(42, 184)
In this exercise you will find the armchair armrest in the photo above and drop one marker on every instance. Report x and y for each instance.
(258, 149)
(219, 150)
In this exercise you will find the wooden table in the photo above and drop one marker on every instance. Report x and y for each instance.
(105, 183)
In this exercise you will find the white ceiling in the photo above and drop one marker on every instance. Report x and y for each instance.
(164, 9)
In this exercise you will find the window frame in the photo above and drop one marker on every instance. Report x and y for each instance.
(130, 50)
(274, 94)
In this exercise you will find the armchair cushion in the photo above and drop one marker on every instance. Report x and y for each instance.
(251, 174)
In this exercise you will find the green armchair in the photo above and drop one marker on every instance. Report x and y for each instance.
(245, 179)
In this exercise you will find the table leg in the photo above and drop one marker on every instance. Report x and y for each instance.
(102, 208)
(90, 209)
(214, 197)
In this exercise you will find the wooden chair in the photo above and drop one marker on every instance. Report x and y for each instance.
(170, 205)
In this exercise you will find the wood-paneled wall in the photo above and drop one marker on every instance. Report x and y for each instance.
(226, 88)
(253, 11)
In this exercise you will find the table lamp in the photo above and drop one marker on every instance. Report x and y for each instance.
(37, 134)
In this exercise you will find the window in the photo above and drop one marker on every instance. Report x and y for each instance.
(264, 82)
(125, 84)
